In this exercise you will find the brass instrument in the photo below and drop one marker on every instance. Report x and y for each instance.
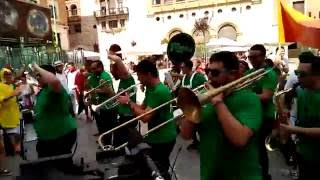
(112, 102)
(276, 138)
(103, 147)
(191, 103)
(88, 95)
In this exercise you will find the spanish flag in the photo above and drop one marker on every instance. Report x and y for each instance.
(296, 27)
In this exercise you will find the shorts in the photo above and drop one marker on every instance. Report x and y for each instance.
(15, 130)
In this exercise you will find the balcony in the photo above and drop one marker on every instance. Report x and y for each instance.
(74, 15)
(112, 13)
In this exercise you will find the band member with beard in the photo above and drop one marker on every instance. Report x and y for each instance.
(105, 118)
(307, 125)
(229, 126)
(264, 88)
(119, 71)
(192, 79)
(162, 140)
(55, 126)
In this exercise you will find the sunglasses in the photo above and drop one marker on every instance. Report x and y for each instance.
(214, 72)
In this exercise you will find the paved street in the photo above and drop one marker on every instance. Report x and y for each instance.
(186, 168)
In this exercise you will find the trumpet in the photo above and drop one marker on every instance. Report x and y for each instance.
(105, 148)
(112, 102)
(191, 103)
(276, 138)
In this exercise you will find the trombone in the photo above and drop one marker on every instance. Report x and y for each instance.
(105, 147)
(113, 99)
(191, 103)
(86, 94)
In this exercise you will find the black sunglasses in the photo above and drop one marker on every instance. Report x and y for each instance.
(214, 72)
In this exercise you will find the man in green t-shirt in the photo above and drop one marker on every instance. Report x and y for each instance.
(192, 79)
(264, 88)
(105, 118)
(55, 127)
(162, 140)
(307, 124)
(119, 71)
(229, 127)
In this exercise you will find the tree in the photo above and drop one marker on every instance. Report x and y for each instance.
(201, 26)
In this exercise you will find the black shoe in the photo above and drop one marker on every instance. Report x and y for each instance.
(5, 172)
(193, 146)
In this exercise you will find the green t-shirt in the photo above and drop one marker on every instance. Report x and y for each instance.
(53, 118)
(268, 81)
(308, 104)
(125, 110)
(154, 97)
(197, 80)
(94, 81)
(218, 158)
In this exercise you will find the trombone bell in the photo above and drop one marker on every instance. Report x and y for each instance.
(190, 105)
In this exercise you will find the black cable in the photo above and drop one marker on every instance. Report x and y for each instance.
(174, 163)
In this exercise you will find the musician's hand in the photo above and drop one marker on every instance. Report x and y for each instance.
(17, 91)
(287, 129)
(113, 57)
(125, 99)
(217, 99)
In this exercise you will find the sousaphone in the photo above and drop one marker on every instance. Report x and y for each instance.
(181, 48)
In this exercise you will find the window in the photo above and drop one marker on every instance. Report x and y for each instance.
(122, 22)
(53, 11)
(74, 10)
(156, 2)
(181, 15)
(309, 14)
(206, 13)
(228, 31)
(113, 24)
(299, 5)
(169, 17)
(67, 9)
(157, 18)
(77, 28)
(234, 9)
(103, 24)
(248, 7)
(319, 14)
(219, 10)
(193, 14)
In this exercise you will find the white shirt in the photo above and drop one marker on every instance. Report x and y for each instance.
(71, 77)
(63, 80)
(292, 79)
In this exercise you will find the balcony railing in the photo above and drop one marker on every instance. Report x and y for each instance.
(112, 12)
(74, 15)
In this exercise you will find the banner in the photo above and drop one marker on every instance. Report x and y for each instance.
(297, 27)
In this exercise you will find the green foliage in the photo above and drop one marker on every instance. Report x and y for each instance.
(200, 50)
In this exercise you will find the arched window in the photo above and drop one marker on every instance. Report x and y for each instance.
(73, 10)
(228, 31)
(174, 32)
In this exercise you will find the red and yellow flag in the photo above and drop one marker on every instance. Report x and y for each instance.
(296, 27)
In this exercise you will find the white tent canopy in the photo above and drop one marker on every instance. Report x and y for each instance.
(222, 42)
(82, 53)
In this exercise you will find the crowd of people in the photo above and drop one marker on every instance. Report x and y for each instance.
(233, 126)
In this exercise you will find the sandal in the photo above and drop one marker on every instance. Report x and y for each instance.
(5, 172)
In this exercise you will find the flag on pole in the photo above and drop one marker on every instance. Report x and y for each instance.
(297, 27)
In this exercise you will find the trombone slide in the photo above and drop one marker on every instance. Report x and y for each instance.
(96, 108)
